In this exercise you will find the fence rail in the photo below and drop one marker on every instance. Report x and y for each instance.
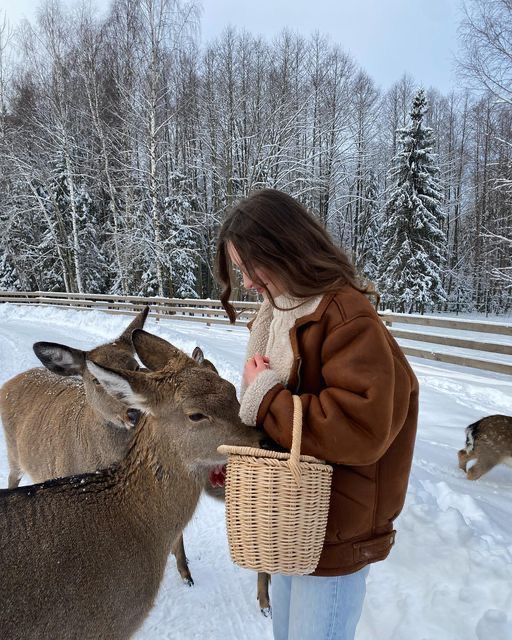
(211, 312)
(486, 345)
(205, 310)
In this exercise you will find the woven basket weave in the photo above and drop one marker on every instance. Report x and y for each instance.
(277, 506)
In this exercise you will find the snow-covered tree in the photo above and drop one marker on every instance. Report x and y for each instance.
(9, 280)
(414, 244)
(93, 259)
(180, 244)
(367, 258)
(99, 115)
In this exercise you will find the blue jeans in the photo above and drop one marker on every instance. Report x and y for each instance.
(317, 607)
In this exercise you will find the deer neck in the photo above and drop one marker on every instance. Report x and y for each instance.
(88, 413)
(165, 494)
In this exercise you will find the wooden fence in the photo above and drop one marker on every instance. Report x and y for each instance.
(211, 312)
(485, 344)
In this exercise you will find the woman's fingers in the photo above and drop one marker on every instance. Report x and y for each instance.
(262, 362)
(254, 366)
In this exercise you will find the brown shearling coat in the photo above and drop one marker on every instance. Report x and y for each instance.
(360, 404)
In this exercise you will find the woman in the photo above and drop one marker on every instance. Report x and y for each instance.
(318, 336)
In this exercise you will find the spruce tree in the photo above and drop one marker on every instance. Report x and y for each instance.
(181, 243)
(9, 280)
(367, 259)
(95, 266)
(414, 244)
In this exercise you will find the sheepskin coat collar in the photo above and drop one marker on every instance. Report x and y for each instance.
(270, 336)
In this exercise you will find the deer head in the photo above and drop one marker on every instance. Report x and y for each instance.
(194, 409)
(119, 354)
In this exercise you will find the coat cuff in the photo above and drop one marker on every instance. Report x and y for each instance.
(254, 395)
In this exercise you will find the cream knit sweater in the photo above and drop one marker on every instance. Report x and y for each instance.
(270, 336)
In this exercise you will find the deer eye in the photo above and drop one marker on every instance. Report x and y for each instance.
(96, 382)
(133, 416)
(197, 417)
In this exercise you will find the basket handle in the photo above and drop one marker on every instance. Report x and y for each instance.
(293, 462)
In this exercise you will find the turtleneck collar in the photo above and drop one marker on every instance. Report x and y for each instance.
(286, 302)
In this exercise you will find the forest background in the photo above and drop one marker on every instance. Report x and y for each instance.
(124, 140)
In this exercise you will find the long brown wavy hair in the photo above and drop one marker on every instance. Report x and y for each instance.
(271, 230)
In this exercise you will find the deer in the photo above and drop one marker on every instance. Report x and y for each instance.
(59, 421)
(489, 441)
(83, 556)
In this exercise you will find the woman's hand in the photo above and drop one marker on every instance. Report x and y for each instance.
(254, 366)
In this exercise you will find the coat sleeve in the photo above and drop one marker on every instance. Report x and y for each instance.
(355, 418)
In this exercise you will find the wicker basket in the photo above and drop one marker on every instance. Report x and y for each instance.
(277, 506)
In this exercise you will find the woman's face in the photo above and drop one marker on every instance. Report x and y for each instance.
(261, 276)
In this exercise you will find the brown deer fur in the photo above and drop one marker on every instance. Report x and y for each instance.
(83, 557)
(489, 441)
(59, 422)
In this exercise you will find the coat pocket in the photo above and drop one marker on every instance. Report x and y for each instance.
(374, 549)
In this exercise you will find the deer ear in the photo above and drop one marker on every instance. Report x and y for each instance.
(198, 356)
(60, 359)
(136, 323)
(127, 386)
(156, 353)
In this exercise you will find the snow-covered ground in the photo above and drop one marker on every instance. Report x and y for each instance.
(449, 576)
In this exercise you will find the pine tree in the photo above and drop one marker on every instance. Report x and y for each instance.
(368, 247)
(181, 243)
(9, 280)
(414, 244)
(95, 267)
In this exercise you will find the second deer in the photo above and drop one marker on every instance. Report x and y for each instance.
(489, 441)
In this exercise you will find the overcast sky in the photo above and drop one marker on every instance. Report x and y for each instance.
(386, 37)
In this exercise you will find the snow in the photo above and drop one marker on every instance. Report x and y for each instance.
(449, 576)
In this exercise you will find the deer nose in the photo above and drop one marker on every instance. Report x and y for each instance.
(133, 416)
